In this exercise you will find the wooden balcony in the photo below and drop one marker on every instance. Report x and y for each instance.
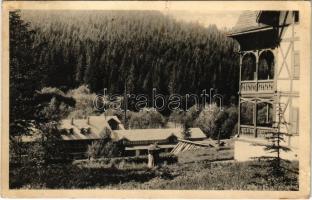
(251, 131)
(260, 86)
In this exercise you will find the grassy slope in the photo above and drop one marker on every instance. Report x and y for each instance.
(196, 175)
(194, 171)
(217, 176)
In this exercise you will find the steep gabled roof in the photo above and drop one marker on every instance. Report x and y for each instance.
(248, 22)
(96, 128)
(155, 134)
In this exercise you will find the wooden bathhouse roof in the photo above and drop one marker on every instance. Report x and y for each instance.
(155, 134)
(186, 145)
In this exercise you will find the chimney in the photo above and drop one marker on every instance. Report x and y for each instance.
(88, 120)
(72, 121)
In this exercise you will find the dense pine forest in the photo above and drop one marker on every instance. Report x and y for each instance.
(60, 60)
(145, 49)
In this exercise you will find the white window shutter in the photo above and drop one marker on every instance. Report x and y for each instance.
(294, 120)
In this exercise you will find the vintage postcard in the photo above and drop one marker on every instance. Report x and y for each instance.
(156, 99)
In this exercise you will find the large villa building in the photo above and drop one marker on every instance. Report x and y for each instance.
(269, 80)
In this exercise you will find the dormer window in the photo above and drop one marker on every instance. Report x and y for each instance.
(89, 130)
(85, 131)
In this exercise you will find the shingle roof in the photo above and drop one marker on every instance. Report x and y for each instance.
(96, 127)
(140, 147)
(155, 134)
(247, 21)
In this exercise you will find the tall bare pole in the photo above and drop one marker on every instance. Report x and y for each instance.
(125, 103)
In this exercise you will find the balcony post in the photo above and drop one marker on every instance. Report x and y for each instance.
(257, 66)
(239, 110)
(255, 117)
(240, 69)
(239, 91)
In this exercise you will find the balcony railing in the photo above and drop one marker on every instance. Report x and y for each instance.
(251, 131)
(263, 86)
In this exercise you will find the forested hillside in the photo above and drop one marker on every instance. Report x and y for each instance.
(144, 48)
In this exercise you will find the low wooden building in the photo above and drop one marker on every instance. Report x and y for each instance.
(137, 141)
(77, 134)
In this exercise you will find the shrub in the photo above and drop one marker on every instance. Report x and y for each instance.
(206, 119)
(84, 102)
(186, 132)
(182, 117)
(176, 116)
(104, 148)
(47, 93)
(235, 130)
(117, 112)
(163, 157)
(54, 110)
(191, 115)
(216, 123)
(146, 119)
(228, 125)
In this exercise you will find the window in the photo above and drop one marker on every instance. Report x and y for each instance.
(294, 120)
(296, 67)
(248, 69)
(246, 113)
(266, 66)
(264, 114)
(296, 16)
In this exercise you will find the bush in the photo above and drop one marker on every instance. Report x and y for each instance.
(228, 126)
(163, 157)
(52, 104)
(214, 121)
(235, 130)
(47, 93)
(146, 119)
(103, 148)
(185, 117)
(84, 102)
(206, 119)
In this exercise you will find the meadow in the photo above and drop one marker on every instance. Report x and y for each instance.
(206, 172)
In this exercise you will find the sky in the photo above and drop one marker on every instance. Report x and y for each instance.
(223, 15)
(222, 19)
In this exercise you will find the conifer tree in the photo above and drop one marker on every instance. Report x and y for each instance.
(274, 147)
(23, 74)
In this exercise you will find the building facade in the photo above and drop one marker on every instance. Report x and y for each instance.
(77, 134)
(137, 141)
(269, 79)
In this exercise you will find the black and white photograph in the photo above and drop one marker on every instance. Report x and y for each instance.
(160, 98)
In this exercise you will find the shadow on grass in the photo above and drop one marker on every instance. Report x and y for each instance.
(71, 176)
(267, 176)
